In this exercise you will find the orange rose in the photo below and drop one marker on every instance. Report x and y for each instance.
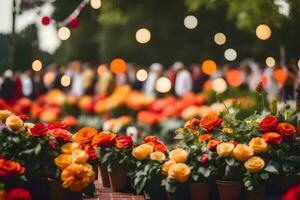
(212, 144)
(286, 129)
(205, 137)
(148, 118)
(272, 137)
(104, 139)
(8, 167)
(160, 147)
(150, 138)
(85, 135)
(211, 121)
(70, 121)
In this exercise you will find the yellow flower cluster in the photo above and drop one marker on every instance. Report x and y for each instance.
(245, 153)
(12, 122)
(76, 174)
(175, 168)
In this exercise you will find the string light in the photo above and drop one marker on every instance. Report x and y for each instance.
(143, 35)
(37, 65)
(141, 75)
(190, 22)
(219, 85)
(220, 38)
(118, 66)
(95, 4)
(65, 80)
(230, 54)
(209, 67)
(270, 61)
(163, 85)
(263, 32)
(64, 33)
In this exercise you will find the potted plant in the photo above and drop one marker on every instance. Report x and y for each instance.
(115, 154)
(147, 176)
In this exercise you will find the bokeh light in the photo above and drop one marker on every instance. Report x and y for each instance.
(270, 61)
(280, 75)
(36, 65)
(65, 80)
(234, 77)
(299, 63)
(163, 85)
(230, 54)
(220, 38)
(219, 85)
(95, 4)
(263, 32)
(49, 78)
(190, 22)
(64, 33)
(143, 35)
(118, 66)
(209, 67)
(101, 69)
(141, 75)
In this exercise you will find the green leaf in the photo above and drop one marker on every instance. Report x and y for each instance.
(37, 149)
(272, 169)
(230, 161)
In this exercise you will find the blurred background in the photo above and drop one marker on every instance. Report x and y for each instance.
(148, 31)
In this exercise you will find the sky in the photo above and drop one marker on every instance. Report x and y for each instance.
(47, 35)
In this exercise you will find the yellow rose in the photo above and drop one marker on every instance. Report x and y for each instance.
(79, 156)
(225, 149)
(166, 166)
(69, 147)
(227, 130)
(258, 144)
(4, 114)
(63, 160)
(158, 156)
(178, 155)
(179, 172)
(142, 152)
(254, 164)
(14, 123)
(76, 177)
(242, 152)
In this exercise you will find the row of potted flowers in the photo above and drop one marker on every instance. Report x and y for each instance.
(216, 153)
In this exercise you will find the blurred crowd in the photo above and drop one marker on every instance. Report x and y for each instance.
(80, 79)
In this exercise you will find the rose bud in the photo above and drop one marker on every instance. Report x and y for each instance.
(204, 159)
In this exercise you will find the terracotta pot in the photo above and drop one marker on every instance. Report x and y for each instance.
(96, 169)
(104, 176)
(229, 190)
(181, 193)
(118, 179)
(57, 192)
(257, 194)
(155, 191)
(200, 190)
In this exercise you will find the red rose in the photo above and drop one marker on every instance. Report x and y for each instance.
(204, 159)
(272, 137)
(56, 125)
(52, 144)
(268, 124)
(123, 142)
(212, 144)
(158, 146)
(60, 134)
(92, 154)
(104, 139)
(18, 194)
(23, 117)
(211, 121)
(150, 138)
(39, 130)
(10, 168)
(292, 193)
(286, 129)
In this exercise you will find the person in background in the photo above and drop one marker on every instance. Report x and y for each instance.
(183, 81)
(7, 86)
(77, 81)
(17, 91)
(289, 85)
(27, 84)
(88, 77)
(154, 74)
(132, 79)
(106, 81)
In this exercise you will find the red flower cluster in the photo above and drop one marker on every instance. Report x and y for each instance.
(204, 159)
(39, 130)
(10, 168)
(60, 134)
(157, 145)
(57, 125)
(18, 194)
(124, 142)
(274, 131)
